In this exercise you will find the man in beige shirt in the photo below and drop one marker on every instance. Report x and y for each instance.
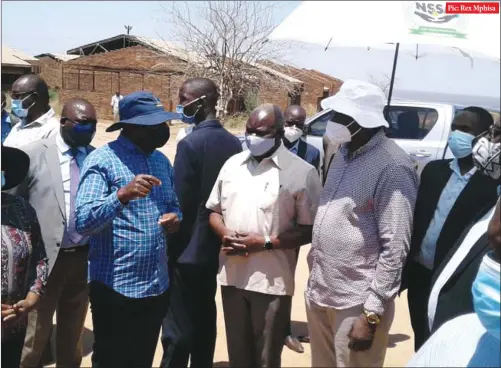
(264, 203)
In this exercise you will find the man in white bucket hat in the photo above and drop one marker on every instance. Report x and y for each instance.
(361, 233)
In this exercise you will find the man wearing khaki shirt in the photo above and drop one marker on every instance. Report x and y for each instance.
(264, 203)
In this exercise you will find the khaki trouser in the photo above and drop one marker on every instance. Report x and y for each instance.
(255, 325)
(66, 293)
(329, 329)
(116, 116)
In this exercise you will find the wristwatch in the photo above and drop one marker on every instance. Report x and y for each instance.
(372, 318)
(268, 245)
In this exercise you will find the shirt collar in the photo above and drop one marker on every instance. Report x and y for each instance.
(296, 145)
(63, 147)
(454, 165)
(373, 142)
(41, 120)
(208, 124)
(277, 157)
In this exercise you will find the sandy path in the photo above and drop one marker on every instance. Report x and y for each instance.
(400, 346)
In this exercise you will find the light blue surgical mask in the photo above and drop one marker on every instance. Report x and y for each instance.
(18, 109)
(461, 143)
(3, 178)
(486, 299)
(189, 119)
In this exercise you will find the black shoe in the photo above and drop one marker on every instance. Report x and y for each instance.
(305, 339)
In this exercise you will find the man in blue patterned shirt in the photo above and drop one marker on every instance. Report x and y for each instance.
(126, 203)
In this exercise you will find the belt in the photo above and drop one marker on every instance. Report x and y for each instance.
(78, 249)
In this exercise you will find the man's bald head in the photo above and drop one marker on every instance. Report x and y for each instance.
(32, 83)
(195, 88)
(266, 118)
(34, 93)
(295, 115)
(78, 109)
(78, 122)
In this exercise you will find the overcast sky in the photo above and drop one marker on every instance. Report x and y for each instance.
(56, 26)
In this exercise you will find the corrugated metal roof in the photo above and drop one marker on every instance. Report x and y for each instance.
(171, 49)
(15, 57)
(62, 57)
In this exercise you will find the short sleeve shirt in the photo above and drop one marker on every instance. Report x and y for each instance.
(268, 198)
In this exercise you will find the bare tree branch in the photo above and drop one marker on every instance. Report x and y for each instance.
(226, 41)
(383, 82)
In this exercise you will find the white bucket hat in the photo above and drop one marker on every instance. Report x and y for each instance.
(363, 101)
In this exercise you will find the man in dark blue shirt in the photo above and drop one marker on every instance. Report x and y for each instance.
(295, 116)
(189, 329)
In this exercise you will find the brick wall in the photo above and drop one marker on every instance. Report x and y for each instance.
(51, 71)
(97, 77)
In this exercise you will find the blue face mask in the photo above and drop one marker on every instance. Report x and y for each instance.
(186, 119)
(486, 299)
(18, 109)
(3, 178)
(461, 143)
(189, 119)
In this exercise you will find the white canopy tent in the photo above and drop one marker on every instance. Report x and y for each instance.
(375, 24)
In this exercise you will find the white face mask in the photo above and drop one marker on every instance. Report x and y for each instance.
(258, 146)
(339, 133)
(292, 133)
(487, 156)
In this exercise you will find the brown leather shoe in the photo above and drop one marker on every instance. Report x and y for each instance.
(293, 343)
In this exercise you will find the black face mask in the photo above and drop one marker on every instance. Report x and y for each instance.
(161, 136)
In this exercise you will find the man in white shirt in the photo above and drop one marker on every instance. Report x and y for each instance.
(264, 203)
(115, 99)
(30, 104)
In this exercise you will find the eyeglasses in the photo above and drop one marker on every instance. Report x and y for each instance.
(21, 95)
(84, 122)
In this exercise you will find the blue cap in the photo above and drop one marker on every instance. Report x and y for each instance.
(142, 108)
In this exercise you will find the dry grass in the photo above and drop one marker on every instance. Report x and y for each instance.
(236, 121)
(310, 110)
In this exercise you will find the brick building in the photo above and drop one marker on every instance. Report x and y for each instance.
(51, 68)
(14, 64)
(129, 63)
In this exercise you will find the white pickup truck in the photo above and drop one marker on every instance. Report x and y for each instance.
(420, 128)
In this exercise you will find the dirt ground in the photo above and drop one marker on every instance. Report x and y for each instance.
(400, 347)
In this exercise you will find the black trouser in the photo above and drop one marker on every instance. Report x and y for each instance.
(125, 329)
(12, 348)
(189, 328)
(288, 331)
(418, 293)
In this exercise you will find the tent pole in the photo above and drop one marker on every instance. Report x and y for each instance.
(392, 80)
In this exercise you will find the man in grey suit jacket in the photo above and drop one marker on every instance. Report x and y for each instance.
(50, 187)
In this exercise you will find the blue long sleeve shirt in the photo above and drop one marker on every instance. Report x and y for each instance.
(127, 245)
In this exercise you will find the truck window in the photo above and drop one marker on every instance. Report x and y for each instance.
(411, 122)
(317, 127)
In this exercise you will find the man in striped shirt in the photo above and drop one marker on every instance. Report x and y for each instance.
(360, 236)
